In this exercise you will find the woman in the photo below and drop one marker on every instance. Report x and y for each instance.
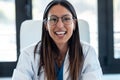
(59, 55)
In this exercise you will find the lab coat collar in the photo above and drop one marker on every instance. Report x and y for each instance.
(66, 67)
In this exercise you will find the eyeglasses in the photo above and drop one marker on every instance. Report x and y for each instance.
(53, 20)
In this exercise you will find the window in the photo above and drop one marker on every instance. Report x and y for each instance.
(8, 52)
(12, 14)
(7, 31)
(109, 35)
(116, 26)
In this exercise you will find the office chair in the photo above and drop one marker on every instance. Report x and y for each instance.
(31, 30)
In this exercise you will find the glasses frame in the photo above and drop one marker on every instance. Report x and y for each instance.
(47, 20)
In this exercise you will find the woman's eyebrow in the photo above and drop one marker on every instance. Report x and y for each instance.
(61, 16)
(67, 15)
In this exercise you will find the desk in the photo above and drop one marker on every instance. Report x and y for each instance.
(111, 77)
(105, 77)
(8, 78)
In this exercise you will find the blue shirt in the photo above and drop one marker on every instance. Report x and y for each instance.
(59, 71)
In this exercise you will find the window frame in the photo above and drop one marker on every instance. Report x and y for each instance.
(105, 30)
(23, 12)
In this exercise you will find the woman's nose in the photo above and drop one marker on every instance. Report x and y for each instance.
(59, 23)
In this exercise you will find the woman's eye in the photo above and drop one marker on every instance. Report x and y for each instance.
(66, 19)
(53, 19)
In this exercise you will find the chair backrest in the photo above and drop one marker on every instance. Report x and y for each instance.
(31, 30)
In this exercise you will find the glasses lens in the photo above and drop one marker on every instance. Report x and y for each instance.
(52, 20)
(67, 20)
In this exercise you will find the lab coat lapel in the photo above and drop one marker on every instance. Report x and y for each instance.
(66, 67)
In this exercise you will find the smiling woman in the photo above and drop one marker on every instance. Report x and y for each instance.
(60, 55)
(88, 8)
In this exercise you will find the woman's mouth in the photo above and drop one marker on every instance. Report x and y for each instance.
(60, 33)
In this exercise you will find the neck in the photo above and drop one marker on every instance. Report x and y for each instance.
(62, 48)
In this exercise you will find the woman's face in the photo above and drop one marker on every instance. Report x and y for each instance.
(60, 24)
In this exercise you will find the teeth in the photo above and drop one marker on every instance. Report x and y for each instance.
(60, 33)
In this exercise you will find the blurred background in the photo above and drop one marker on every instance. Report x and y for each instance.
(103, 17)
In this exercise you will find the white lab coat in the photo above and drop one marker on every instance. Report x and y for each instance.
(27, 66)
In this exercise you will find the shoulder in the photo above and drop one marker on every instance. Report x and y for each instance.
(32, 52)
(85, 45)
(91, 65)
(87, 49)
(28, 54)
(27, 65)
(29, 50)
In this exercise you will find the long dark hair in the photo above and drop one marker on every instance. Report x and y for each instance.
(48, 48)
